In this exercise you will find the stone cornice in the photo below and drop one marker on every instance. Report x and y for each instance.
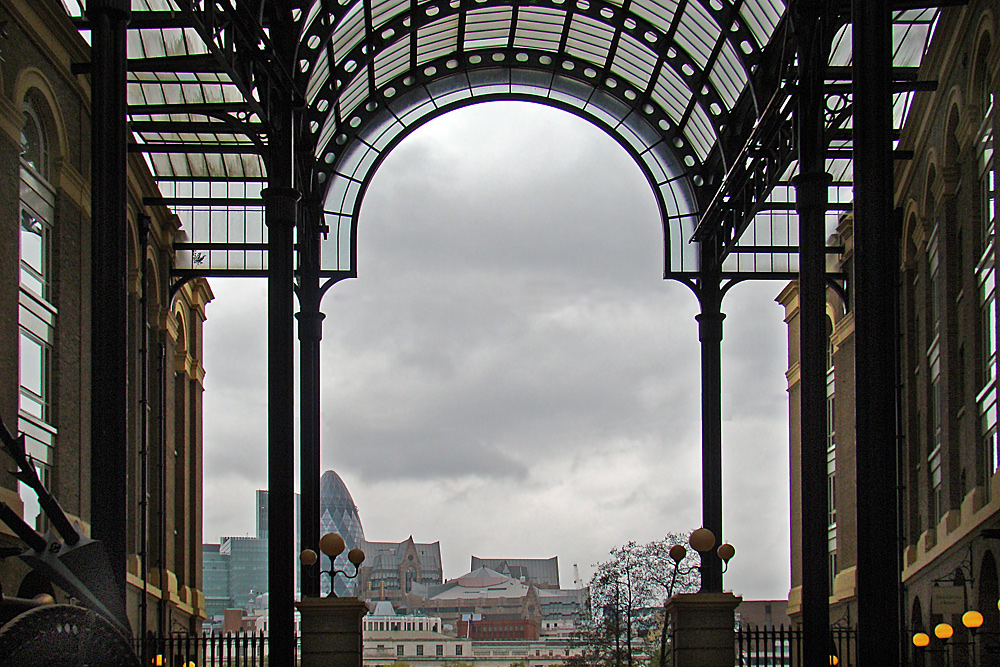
(793, 375)
(789, 298)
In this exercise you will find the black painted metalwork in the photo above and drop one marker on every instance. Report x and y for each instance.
(310, 96)
(710, 335)
(76, 563)
(109, 312)
(812, 29)
(281, 211)
(62, 634)
(876, 247)
(310, 325)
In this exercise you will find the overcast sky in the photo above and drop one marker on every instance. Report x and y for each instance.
(509, 374)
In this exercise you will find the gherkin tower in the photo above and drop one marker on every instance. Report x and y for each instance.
(339, 514)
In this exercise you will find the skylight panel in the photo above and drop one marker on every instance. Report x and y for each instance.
(589, 39)
(317, 78)
(634, 61)
(728, 76)
(356, 91)
(762, 16)
(910, 39)
(658, 12)
(314, 11)
(539, 28)
(840, 53)
(348, 33)
(74, 8)
(437, 39)
(697, 33)
(487, 28)
(701, 132)
(671, 93)
(385, 10)
(392, 62)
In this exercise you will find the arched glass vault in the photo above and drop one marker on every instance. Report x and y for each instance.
(263, 122)
(363, 155)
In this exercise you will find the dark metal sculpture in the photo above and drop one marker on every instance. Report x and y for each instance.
(38, 632)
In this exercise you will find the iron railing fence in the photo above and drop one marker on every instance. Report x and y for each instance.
(231, 649)
(782, 647)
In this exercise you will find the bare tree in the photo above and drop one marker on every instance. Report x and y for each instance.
(626, 591)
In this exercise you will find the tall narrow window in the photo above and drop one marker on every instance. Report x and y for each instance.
(985, 267)
(936, 505)
(831, 458)
(36, 312)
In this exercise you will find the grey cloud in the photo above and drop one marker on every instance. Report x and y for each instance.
(510, 337)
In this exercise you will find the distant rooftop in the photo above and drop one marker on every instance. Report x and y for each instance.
(542, 572)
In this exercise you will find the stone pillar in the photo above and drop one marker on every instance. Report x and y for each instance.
(331, 631)
(704, 629)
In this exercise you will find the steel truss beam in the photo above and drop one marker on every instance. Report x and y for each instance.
(768, 147)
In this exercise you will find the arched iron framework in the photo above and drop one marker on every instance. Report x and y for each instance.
(307, 97)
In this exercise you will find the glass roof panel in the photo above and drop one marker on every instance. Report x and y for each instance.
(634, 61)
(392, 61)
(437, 39)
(589, 39)
(74, 8)
(314, 11)
(671, 93)
(728, 76)
(910, 34)
(487, 28)
(319, 76)
(702, 132)
(539, 28)
(355, 92)
(697, 33)
(530, 81)
(658, 12)
(349, 32)
(762, 16)
(386, 10)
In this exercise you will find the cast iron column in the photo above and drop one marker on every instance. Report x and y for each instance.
(875, 272)
(281, 211)
(280, 203)
(109, 312)
(811, 202)
(310, 334)
(710, 336)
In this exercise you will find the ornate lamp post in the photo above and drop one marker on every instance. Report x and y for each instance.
(701, 540)
(332, 545)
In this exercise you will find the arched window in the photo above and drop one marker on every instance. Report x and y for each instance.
(36, 311)
(34, 144)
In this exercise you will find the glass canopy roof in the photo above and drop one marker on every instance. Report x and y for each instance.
(660, 76)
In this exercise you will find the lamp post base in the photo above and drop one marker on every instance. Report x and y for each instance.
(331, 631)
(704, 634)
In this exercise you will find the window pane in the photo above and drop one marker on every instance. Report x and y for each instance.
(32, 148)
(32, 365)
(32, 253)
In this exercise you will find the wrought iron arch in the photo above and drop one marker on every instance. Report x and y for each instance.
(672, 56)
(669, 180)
